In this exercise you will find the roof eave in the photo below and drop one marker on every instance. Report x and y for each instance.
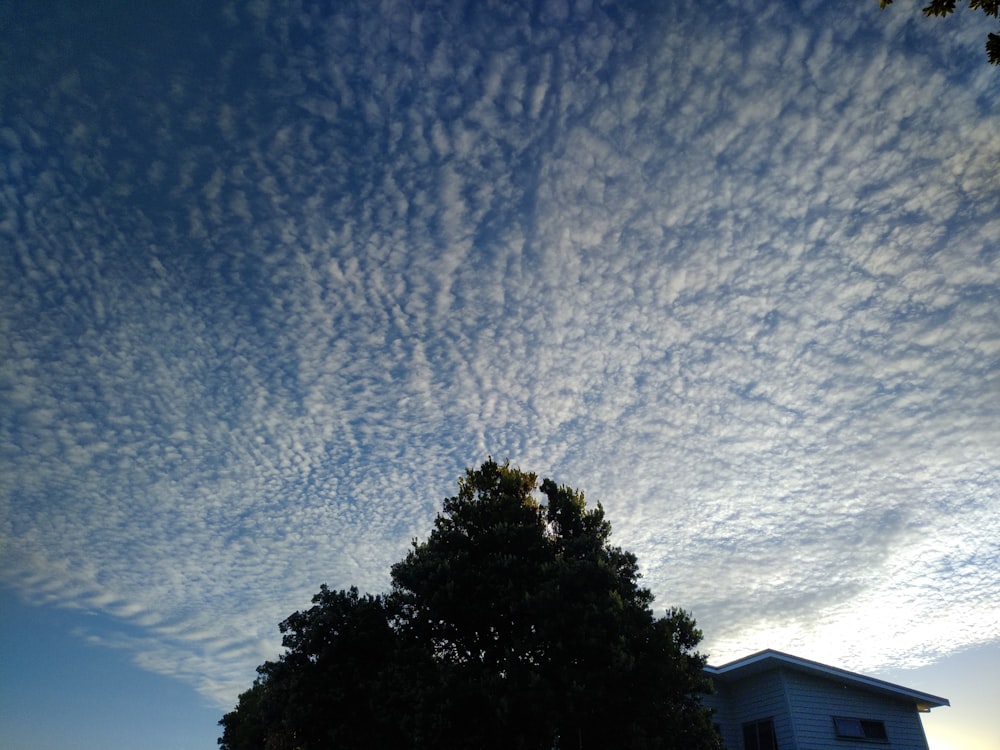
(771, 659)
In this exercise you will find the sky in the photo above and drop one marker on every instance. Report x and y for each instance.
(274, 273)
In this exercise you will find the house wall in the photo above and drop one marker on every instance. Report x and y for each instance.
(761, 697)
(814, 702)
(802, 707)
(720, 702)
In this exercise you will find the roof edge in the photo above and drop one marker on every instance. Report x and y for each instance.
(772, 658)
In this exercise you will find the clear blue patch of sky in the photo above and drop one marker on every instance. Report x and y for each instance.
(95, 697)
(970, 680)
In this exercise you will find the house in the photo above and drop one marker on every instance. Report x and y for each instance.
(776, 701)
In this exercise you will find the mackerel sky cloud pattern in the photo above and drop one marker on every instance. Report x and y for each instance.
(275, 274)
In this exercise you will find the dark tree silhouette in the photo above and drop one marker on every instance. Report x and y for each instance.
(516, 624)
(943, 8)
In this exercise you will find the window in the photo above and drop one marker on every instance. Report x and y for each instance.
(759, 735)
(860, 729)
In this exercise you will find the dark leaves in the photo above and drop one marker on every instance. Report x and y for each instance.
(940, 8)
(993, 48)
(516, 624)
(943, 8)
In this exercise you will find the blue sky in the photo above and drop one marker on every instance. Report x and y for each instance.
(274, 274)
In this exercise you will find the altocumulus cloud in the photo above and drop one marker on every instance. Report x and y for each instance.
(270, 285)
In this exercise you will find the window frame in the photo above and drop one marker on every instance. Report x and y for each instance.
(755, 726)
(856, 729)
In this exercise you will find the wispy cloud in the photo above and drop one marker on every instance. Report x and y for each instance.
(736, 280)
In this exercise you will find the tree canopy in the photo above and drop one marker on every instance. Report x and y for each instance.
(516, 624)
(943, 8)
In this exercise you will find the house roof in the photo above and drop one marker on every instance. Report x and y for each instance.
(769, 659)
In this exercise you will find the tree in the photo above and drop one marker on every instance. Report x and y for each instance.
(943, 8)
(325, 690)
(516, 624)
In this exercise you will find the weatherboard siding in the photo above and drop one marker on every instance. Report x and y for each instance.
(802, 708)
(721, 702)
(814, 702)
(752, 700)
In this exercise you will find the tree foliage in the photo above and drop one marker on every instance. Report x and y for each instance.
(943, 8)
(325, 690)
(516, 624)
